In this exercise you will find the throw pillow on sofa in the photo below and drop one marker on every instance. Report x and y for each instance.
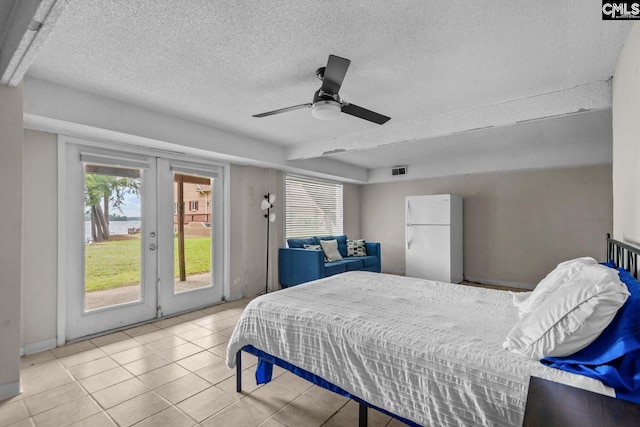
(341, 239)
(356, 248)
(330, 248)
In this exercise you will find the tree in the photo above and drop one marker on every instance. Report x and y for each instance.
(102, 191)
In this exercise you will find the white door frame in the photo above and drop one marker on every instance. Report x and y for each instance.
(62, 210)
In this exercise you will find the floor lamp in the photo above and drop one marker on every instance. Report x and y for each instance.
(267, 204)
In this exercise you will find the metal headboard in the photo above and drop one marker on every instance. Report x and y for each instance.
(623, 255)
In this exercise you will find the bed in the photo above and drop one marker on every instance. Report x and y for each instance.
(425, 352)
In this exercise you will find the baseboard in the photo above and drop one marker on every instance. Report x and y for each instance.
(505, 283)
(9, 390)
(39, 346)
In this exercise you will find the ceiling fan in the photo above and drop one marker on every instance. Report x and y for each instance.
(326, 103)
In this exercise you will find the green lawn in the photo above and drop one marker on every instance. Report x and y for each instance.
(197, 252)
(116, 263)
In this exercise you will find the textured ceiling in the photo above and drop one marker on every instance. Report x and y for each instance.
(219, 62)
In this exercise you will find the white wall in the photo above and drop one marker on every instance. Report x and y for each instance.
(626, 141)
(517, 225)
(11, 142)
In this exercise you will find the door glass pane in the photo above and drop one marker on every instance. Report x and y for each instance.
(192, 211)
(112, 232)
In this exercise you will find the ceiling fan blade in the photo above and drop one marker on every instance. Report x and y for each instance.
(283, 110)
(365, 114)
(334, 74)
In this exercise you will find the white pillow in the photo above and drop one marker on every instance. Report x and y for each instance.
(572, 317)
(330, 248)
(564, 272)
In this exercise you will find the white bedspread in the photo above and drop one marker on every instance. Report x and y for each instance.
(427, 351)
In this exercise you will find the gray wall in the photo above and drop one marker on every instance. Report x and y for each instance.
(40, 239)
(351, 211)
(249, 229)
(517, 226)
(11, 141)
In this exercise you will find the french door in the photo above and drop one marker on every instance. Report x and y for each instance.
(191, 245)
(142, 237)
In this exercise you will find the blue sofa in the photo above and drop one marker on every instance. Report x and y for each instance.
(299, 265)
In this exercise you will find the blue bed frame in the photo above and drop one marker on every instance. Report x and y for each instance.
(621, 254)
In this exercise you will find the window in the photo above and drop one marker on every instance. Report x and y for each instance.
(313, 207)
(193, 205)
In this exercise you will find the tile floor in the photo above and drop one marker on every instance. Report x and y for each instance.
(168, 373)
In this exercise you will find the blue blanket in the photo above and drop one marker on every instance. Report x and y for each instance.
(614, 357)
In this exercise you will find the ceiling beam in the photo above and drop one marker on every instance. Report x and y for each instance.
(29, 24)
(62, 110)
(588, 97)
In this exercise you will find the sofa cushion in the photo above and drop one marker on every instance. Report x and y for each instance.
(353, 264)
(331, 268)
(369, 261)
(342, 242)
(347, 264)
(299, 243)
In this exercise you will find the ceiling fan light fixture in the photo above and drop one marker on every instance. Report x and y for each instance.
(326, 104)
(326, 110)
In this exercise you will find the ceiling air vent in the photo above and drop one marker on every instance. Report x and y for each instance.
(399, 170)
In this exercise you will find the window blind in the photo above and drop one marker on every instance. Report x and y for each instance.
(114, 160)
(313, 207)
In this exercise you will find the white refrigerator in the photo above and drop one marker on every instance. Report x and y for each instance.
(433, 237)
